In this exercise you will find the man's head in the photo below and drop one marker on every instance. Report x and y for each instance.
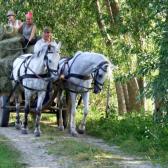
(10, 15)
(47, 33)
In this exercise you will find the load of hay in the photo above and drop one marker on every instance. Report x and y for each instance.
(10, 48)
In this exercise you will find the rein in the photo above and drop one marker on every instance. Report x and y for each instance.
(96, 73)
(82, 77)
(78, 76)
(34, 75)
(50, 70)
(15, 49)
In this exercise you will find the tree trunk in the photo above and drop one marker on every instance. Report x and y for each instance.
(126, 96)
(133, 92)
(109, 9)
(141, 89)
(115, 8)
(120, 98)
(108, 99)
(158, 113)
(101, 25)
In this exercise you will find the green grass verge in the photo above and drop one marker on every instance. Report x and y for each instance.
(134, 133)
(72, 153)
(78, 154)
(9, 157)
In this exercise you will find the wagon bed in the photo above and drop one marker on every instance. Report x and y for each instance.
(10, 49)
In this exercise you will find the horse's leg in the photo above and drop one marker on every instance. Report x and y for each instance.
(17, 105)
(85, 97)
(60, 105)
(15, 98)
(41, 96)
(26, 111)
(73, 131)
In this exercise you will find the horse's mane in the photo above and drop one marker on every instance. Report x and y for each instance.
(111, 66)
(77, 53)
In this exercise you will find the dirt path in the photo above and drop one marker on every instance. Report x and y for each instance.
(31, 148)
(34, 154)
(125, 160)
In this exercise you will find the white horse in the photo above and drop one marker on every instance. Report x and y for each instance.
(77, 74)
(33, 73)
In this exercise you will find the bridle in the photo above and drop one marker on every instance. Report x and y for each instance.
(94, 75)
(50, 70)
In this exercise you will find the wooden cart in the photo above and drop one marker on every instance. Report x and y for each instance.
(58, 101)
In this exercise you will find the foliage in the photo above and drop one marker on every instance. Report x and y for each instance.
(76, 30)
(137, 134)
(136, 34)
(159, 84)
(9, 156)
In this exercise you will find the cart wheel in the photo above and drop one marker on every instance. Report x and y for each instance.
(4, 112)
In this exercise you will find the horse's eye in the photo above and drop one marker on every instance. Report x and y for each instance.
(100, 75)
(49, 61)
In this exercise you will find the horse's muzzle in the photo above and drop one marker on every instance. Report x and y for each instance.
(97, 89)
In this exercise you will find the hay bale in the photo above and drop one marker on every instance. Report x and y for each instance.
(10, 49)
(5, 84)
(30, 49)
(7, 31)
(6, 64)
(1, 33)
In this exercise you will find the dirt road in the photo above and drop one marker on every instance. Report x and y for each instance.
(35, 155)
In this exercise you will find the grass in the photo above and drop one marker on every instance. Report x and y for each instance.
(9, 157)
(72, 153)
(136, 134)
(79, 154)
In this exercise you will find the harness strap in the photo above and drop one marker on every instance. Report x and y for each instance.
(32, 89)
(34, 76)
(101, 64)
(83, 77)
(23, 63)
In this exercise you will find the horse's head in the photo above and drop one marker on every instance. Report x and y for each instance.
(51, 59)
(100, 74)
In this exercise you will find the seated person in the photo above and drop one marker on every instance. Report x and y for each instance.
(45, 40)
(28, 31)
(12, 22)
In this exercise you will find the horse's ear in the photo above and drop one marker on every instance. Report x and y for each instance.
(59, 45)
(105, 67)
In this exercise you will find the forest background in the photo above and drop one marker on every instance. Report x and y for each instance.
(134, 36)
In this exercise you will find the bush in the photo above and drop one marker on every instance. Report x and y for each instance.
(134, 133)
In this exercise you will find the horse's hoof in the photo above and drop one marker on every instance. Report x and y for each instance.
(74, 133)
(81, 131)
(17, 126)
(61, 128)
(24, 131)
(37, 133)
